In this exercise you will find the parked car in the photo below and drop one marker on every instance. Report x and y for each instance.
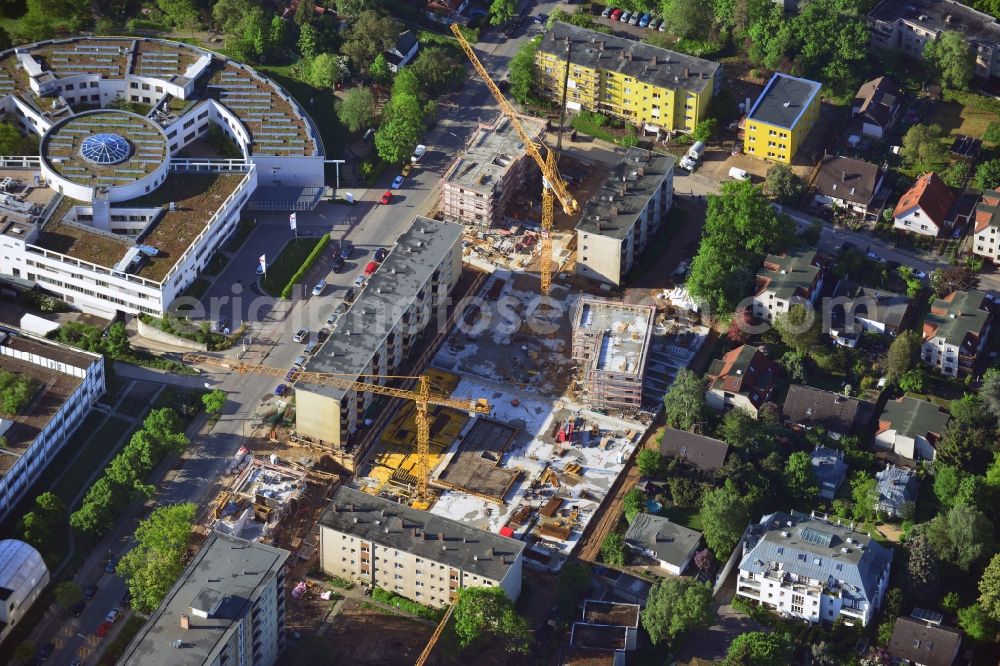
(663, 27)
(635, 19)
(341, 309)
(290, 375)
(332, 319)
(300, 335)
(280, 390)
(337, 264)
(322, 334)
(346, 249)
(540, 18)
(874, 256)
(109, 566)
(418, 152)
(318, 289)
(299, 362)
(381, 254)
(396, 182)
(644, 21)
(349, 295)
(89, 592)
(102, 629)
(360, 280)
(607, 11)
(957, 233)
(625, 17)
(76, 610)
(259, 269)
(919, 274)
(112, 616)
(386, 198)
(616, 14)
(371, 268)
(655, 23)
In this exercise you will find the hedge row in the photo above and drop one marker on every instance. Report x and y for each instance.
(306, 265)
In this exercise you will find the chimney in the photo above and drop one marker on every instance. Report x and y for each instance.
(843, 175)
(600, 45)
(641, 170)
(440, 536)
(185, 621)
(687, 72)
(628, 56)
(614, 209)
(656, 59)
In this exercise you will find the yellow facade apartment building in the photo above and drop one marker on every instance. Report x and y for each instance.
(646, 86)
(781, 118)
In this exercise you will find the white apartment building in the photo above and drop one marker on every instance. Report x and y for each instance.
(986, 233)
(413, 553)
(407, 293)
(69, 382)
(909, 25)
(955, 331)
(810, 568)
(785, 280)
(620, 221)
(106, 215)
(227, 608)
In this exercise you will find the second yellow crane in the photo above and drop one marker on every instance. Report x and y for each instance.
(553, 185)
(421, 396)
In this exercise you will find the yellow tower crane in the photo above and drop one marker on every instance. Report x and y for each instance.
(421, 396)
(426, 653)
(553, 185)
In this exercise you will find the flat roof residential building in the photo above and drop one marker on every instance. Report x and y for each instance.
(955, 331)
(643, 85)
(704, 453)
(396, 304)
(911, 428)
(844, 182)
(813, 569)
(780, 120)
(610, 343)
(670, 544)
(924, 208)
(924, 643)
(876, 105)
(897, 489)
(829, 469)
(413, 553)
(785, 280)
(107, 215)
(807, 407)
(65, 383)
(477, 187)
(621, 220)
(743, 377)
(23, 577)
(228, 607)
(854, 310)
(909, 25)
(986, 233)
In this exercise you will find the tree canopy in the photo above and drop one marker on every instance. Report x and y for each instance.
(903, 355)
(522, 74)
(963, 536)
(357, 109)
(922, 145)
(782, 184)
(989, 589)
(725, 515)
(371, 33)
(759, 648)
(483, 612)
(502, 11)
(988, 174)
(676, 606)
(153, 566)
(799, 478)
(613, 549)
(684, 402)
(951, 59)
(799, 328)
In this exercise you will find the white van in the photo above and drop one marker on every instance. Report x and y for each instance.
(738, 174)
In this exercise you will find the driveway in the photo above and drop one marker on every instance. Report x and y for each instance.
(711, 644)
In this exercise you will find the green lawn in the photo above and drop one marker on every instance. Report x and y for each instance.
(92, 452)
(281, 270)
(689, 518)
(955, 118)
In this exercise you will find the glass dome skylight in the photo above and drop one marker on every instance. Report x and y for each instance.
(105, 149)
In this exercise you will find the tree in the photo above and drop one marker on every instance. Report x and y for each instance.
(483, 612)
(989, 589)
(799, 479)
(308, 38)
(522, 74)
(327, 70)
(684, 403)
(396, 139)
(922, 145)
(502, 11)
(11, 140)
(357, 109)
(963, 536)
(976, 624)
(355, 7)
(435, 69)
(704, 129)
(613, 549)
(725, 515)
(676, 606)
(832, 41)
(947, 479)
(923, 568)
(799, 328)
(633, 504)
(903, 354)
(690, 19)
(758, 648)
(987, 175)
(739, 326)
(951, 59)
(704, 561)
(913, 380)
(40, 525)
(770, 37)
(68, 593)
(371, 33)
(953, 278)
(782, 184)
(864, 492)
(992, 134)
(738, 428)
(157, 561)
(214, 401)
(379, 69)
(685, 491)
(179, 13)
(573, 582)
(990, 392)
(649, 462)
(16, 391)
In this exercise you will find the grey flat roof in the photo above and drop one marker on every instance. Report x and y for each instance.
(668, 70)
(361, 332)
(420, 533)
(490, 153)
(615, 208)
(671, 542)
(226, 566)
(783, 100)
(932, 14)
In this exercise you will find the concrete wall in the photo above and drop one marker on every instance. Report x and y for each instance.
(153, 333)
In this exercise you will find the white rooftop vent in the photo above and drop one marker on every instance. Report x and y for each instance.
(785, 534)
(845, 549)
(786, 104)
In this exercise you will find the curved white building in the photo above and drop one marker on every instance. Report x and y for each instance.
(23, 576)
(110, 215)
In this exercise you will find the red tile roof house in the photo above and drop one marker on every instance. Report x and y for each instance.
(986, 235)
(924, 208)
(743, 378)
(446, 11)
